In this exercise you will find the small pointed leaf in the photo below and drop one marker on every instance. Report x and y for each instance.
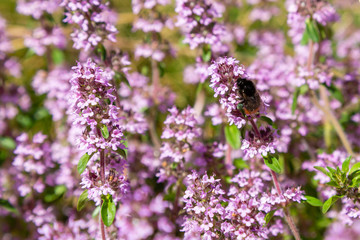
(346, 164)
(83, 163)
(313, 201)
(82, 200)
(108, 211)
(269, 216)
(104, 131)
(328, 203)
(272, 162)
(232, 135)
(8, 206)
(323, 170)
(355, 167)
(294, 102)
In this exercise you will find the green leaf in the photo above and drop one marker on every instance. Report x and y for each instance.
(30, 52)
(305, 38)
(7, 143)
(101, 51)
(268, 121)
(104, 131)
(83, 163)
(162, 68)
(303, 89)
(269, 216)
(82, 200)
(206, 55)
(122, 152)
(239, 163)
(57, 56)
(227, 179)
(232, 135)
(108, 211)
(332, 171)
(96, 211)
(272, 162)
(328, 203)
(313, 201)
(8, 206)
(145, 70)
(355, 167)
(346, 164)
(333, 184)
(58, 192)
(355, 183)
(354, 174)
(335, 92)
(323, 170)
(295, 98)
(312, 30)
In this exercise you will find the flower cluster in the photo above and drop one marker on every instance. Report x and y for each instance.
(12, 99)
(56, 85)
(154, 21)
(115, 184)
(95, 19)
(151, 20)
(300, 10)
(92, 103)
(263, 144)
(33, 157)
(7, 64)
(203, 200)
(240, 213)
(143, 215)
(159, 165)
(197, 73)
(224, 72)
(43, 37)
(198, 21)
(181, 130)
(37, 8)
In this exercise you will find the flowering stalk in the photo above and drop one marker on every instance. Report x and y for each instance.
(287, 215)
(224, 74)
(326, 109)
(93, 105)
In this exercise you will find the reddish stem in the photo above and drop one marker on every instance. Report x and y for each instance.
(102, 176)
(287, 215)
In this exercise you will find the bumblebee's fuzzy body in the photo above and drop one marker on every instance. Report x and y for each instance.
(251, 99)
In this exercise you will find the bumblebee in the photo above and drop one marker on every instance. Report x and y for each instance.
(251, 100)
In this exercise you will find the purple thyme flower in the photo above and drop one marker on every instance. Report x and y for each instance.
(203, 198)
(95, 19)
(115, 184)
(224, 72)
(37, 8)
(248, 202)
(43, 37)
(181, 130)
(198, 21)
(254, 145)
(8, 64)
(299, 11)
(197, 73)
(32, 161)
(150, 18)
(91, 91)
(56, 85)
